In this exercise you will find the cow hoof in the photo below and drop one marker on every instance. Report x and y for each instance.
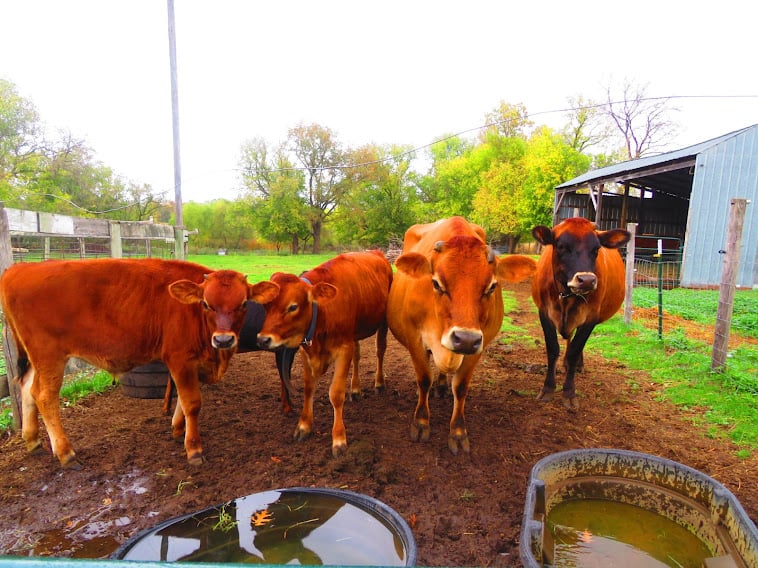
(420, 432)
(545, 395)
(196, 459)
(35, 448)
(457, 442)
(380, 389)
(301, 435)
(70, 462)
(571, 404)
(354, 396)
(339, 450)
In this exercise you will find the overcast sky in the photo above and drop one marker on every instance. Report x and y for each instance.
(401, 72)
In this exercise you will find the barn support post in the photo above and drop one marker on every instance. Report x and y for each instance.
(630, 252)
(8, 386)
(728, 282)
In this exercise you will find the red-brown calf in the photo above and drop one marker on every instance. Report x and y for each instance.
(325, 312)
(118, 314)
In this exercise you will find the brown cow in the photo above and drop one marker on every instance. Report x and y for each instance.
(325, 312)
(446, 299)
(118, 314)
(579, 284)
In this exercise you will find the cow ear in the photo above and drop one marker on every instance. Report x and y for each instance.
(263, 292)
(413, 264)
(323, 292)
(186, 291)
(543, 235)
(614, 238)
(515, 268)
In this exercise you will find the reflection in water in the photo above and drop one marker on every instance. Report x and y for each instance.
(277, 527)
(590, 532)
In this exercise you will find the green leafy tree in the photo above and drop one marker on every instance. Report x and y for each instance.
(380, 200)
(317, 150)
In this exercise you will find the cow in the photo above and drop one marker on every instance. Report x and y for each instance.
(255, 314)
(579, 283)
(446, 298)
(325, 312)
(118, 314)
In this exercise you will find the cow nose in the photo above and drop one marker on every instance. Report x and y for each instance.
(264, 341)
(224, 340)
(583, 281)
(466, 342)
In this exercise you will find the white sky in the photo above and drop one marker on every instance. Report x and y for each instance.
(396, 71)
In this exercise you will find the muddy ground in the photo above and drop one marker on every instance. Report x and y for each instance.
(465, 510)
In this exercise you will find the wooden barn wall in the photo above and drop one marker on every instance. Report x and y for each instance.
(726, 171)
(662, 216)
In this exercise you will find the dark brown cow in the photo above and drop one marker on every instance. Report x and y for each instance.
(325, 312)
(446, 299)
(118, 314)
(579, 284)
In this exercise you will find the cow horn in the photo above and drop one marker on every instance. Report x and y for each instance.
(438, 246)
(205, 276)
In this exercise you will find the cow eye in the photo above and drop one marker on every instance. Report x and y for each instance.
(491, 289)
(595, 251)
(206, 306)
(292, 308)
(437, 286)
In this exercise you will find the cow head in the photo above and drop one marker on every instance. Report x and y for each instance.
(290, 310)
(576, 244)
(464, 276)
(223, 295)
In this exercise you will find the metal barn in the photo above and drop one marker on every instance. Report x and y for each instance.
(682, 198)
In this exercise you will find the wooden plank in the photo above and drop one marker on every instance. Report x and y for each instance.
(20, 221)
(52, 224)
(9, 347)
(94, 228)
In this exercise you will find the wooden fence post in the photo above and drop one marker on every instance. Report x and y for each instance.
(728, 282)
(630, 252)
(9, 347)
(115, 230)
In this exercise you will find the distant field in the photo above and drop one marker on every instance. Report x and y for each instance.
(261, 267)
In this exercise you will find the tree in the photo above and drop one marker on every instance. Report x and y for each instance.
(507, 121)
(641, 121)
(274, 190)
(380, 200)
(316, 149)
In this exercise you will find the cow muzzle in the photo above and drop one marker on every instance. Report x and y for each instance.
(222, 340)
(463, 341)
(582, 283)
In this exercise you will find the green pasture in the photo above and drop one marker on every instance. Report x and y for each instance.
(679, 364)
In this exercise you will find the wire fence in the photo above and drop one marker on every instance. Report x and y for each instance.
(34, 248)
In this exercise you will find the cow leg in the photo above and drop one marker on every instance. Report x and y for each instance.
(381, 349)
(311, 372)
(337, 398)
(573, 358)
(169, 394)
(29, 414)
(177, 421)
(458, 437)
(188, 396)
(44, 388)
(355, 380)
(553, 350)
(420, 426)
(284, 360)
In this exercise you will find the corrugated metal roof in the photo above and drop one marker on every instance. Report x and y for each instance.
(641, 164)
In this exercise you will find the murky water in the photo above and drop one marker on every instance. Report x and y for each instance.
(275, 527)
(589, 533)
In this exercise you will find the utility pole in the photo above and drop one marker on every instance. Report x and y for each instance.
(179, 224)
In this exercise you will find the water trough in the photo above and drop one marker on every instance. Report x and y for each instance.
(673, 491)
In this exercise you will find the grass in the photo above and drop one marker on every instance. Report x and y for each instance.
(682, 366)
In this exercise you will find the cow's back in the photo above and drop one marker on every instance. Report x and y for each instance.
(91, 307)
(363, 283)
